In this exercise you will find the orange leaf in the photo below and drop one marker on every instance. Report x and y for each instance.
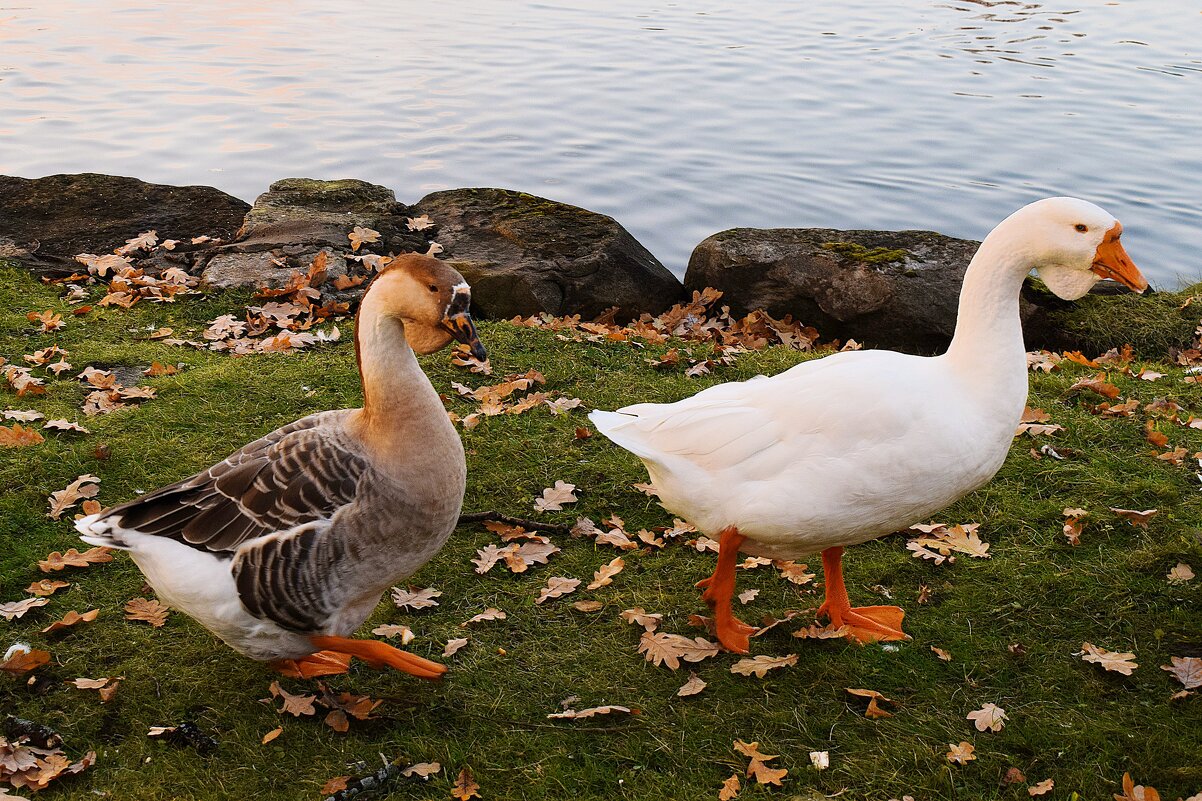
(46, 587)
(147, 610)
(465, 786)
(73, 558)
(70, 619)
(19, 436)
(25, 661)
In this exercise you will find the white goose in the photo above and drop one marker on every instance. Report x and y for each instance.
(853, 446)
(284, 548)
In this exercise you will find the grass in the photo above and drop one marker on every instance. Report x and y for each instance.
(1069, 720)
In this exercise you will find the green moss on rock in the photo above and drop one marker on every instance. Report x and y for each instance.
(866, 255)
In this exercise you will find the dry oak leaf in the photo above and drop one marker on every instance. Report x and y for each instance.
(961, 754)
(46, 587)
(18, 436)
(1180, 573)
(488, 614)
(65, 425)
(604, 575)
(760, 665)
(361, 235)
(758, 769)
(1096, 384)
(668, 649)
(489, 555)
(23, 415)
(1044, 786)
(70, 619)
(573, 714)
(747, 596)
(990, 717)
(1186, 669)
(587, 606)
(423, 770)
(638, 616)
(1117, 661)
(454, 645)
(465, 787)
(1136, 792)
(418, 223)
(554, 497)
(942, 654)
(1136, 518)
(16, 609)
(295, 705)
(694, 685)
(793, 572)
(23, 661)
(395, 630)
(821, 760)
(873, 711)
(730, 788)
(86, 486)
(147, 610)
(415, 599)
(817, 632)
(557, 586)
(271, 735)
(49, 320)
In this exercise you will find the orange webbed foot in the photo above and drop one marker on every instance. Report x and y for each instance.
(870, 623)
(719, 588)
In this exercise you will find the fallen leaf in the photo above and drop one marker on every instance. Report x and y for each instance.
(1098, 385)
(86, 486)
(360, 235)
(873, 710)
(1136, 792)
(70, 619)
(990, 717)
(465, 787)
(23, 661)
(961, 754)
(65, 425)
(46, 587)
(18, 436)
(1186, 669)
(730, 788)
(793, 572)
(454, 645)
(487, 615)
(557, 586)
(821, 760)
(760, 665)
(422, 770)
(639, 617)
(1044, 786)
(553, 497)
(418, 223)
(156, 369)
(1013, 776)
(73, 558)
(147, 610)
(395, 630)
(1180, 573)
(747, 596)
(587, 606)
(571, 714)
(603, 576)
(23, 415)
(668, 649)
(89, 684)
(295, 705)
(694, 685)
(942, 654)
(415, 599)
(1136, 518)
(1116, 661)
(271, 735)
(16, 609)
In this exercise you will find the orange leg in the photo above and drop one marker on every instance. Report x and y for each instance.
(867, 623)
(719, 590)
(378, 655)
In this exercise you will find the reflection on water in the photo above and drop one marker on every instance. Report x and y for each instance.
(679, 121)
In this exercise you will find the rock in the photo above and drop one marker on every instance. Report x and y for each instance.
(524, 254)
(890, 289)
(50, 220)
(296, 218)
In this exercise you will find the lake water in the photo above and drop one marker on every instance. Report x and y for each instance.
(679, 119)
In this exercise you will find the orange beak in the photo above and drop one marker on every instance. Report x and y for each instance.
(1111, 261)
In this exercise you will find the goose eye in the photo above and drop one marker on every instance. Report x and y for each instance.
(433, 288)
(1082, 227)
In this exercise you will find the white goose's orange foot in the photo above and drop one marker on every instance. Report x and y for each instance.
(733, 633)
(322, 663)
(381, 655)
(868, 623)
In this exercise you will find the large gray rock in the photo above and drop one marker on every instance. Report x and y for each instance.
(50, 220)
(524, 254)
(296, 218)
(891, 289)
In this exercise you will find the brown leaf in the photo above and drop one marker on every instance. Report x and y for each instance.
(1153, 436)
(587, 606)
(334, 785)
(465, 787)
(639, 617)
(1117, 661)
(557, 586)
(572, 714)
(1186, 669)
(423, 770)
(668, 649)
(760, 665)
(1136, 792)
(961, 754)
(16, 609)
(395, 630)
(1044, 786)
(553, 498)
(46, 587)
(990, 717)
(146, 610)
(873, 711)
(19, 436)
(694, 685)
(487, 615)
(25, 661)
(604, 574)
(942, 654)
(295, 705)
(1180, 573)
(730, 788)
(86, 486)
(454, 645)
(1098, 385)
(1136, 518)
(70, 619)
(415, 599)
(73, 558)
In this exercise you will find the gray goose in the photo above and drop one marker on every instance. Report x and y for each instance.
(285, 547)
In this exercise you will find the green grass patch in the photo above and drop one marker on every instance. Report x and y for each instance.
(1069, 720)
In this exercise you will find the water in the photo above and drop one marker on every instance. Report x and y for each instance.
(679, 120)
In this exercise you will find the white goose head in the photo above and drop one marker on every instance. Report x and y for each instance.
(430, 298)
(1073, 244)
